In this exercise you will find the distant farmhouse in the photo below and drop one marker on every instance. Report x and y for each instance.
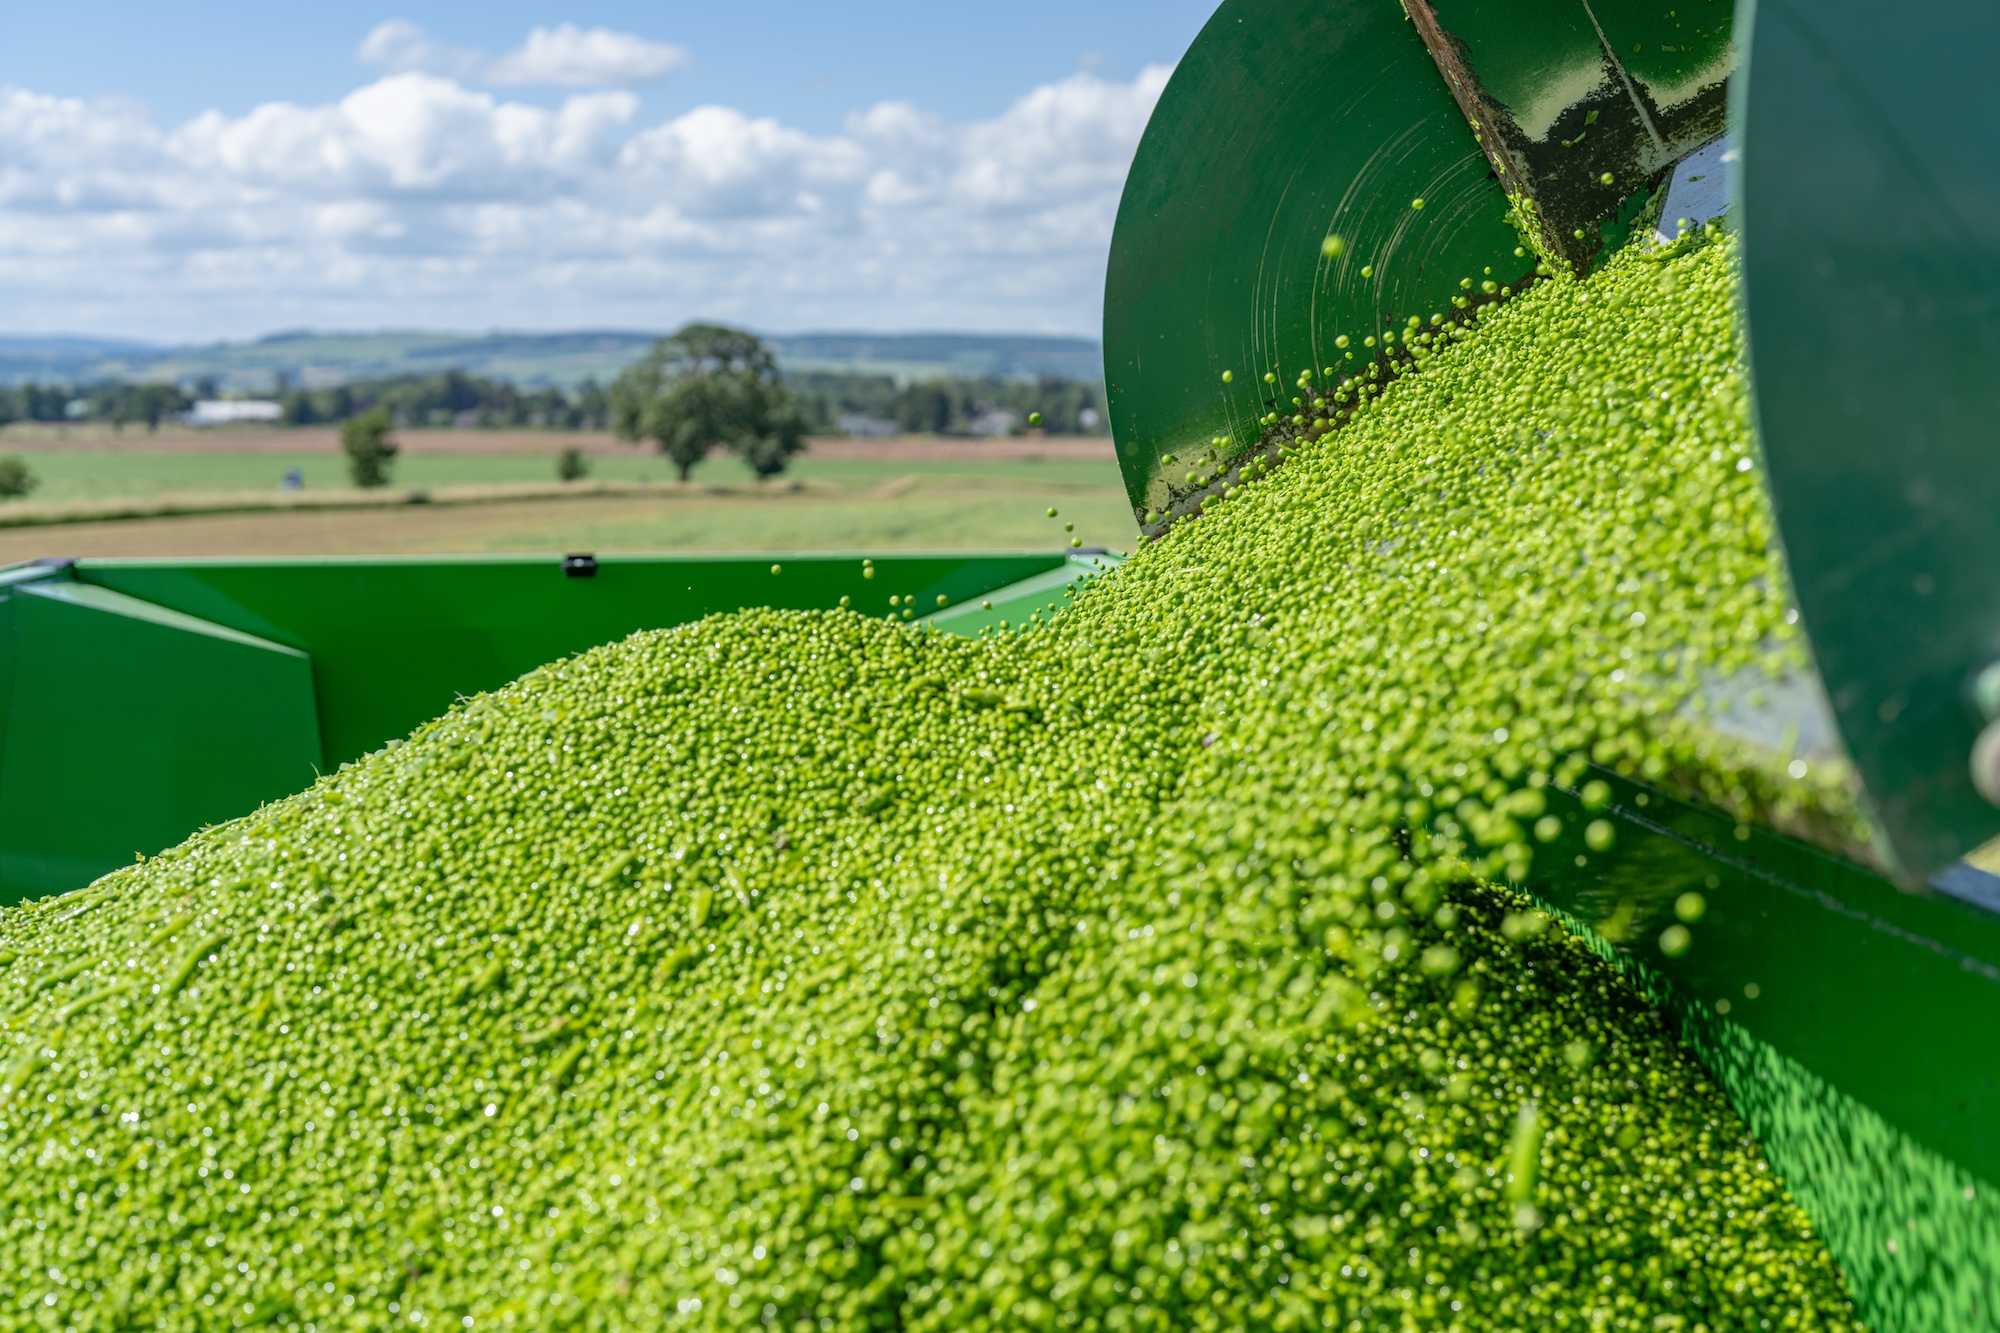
(230, 411)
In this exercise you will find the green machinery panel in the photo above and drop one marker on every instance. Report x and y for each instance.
(1871, 284)
(146, 698)
(1870, 196)
(128, 725)
(1580, 104)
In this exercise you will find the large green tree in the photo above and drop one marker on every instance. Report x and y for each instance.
(704, 388)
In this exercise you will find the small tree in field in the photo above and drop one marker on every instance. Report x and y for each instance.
(365, 440)
(15, 479)
(709, 387)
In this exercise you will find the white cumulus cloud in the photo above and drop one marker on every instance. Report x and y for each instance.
(564, 56)
(419, 200)
(401, 47)
(567, 56)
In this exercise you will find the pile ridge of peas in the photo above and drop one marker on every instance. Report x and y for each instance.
(1144, 970)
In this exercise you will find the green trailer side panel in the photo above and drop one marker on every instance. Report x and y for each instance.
(1284, 124)
(1827, 962)
(1870, 200)
(393, 642)
(1855, 1027)
(1012, 606)
(128, 726)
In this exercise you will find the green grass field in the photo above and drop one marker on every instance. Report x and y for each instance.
(93, 474)
(847, 505)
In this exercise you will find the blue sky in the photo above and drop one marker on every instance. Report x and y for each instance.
(220, 168)
(807, 64)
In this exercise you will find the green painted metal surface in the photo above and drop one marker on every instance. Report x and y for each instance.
(128, 726)
(142, 699)
(1283, 124)
(1870, 200)
(1033, 600)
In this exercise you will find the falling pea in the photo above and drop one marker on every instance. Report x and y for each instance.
(1524, 1154)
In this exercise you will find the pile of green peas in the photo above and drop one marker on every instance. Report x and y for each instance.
(1144, 970)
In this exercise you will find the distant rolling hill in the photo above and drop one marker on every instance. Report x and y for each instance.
(59, 358)
(917, 355)
(316, 359)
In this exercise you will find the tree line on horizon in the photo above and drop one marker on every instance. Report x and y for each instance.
(705, 388)
(827, 402)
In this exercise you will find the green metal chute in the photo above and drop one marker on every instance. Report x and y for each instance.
(1871, 274)
(1870, 190)
(1283, 125)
